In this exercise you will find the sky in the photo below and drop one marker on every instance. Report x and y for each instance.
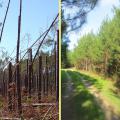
(103, 10)
(37, 15)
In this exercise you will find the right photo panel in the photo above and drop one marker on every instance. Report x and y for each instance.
(90, 60)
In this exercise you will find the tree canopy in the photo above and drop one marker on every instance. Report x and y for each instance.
(100, 52)
(75, 11)
(74, 14)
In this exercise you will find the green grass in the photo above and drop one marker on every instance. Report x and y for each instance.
(83, 103)
(64, 78)
(106, 88)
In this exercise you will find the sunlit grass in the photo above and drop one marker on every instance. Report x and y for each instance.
(106, 88)
(82, 101)
(63, 78)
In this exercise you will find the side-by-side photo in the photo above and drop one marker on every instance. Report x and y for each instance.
(90, 60)
(29, 60)
(59, 60)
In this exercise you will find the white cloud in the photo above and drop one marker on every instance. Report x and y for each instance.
(108, 2)
(73, 40)
(85, 30)
(75, 37)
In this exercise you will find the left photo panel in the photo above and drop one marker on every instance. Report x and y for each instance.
(29, 60)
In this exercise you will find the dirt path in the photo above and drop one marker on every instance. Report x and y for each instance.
(105, 105)
(69, 93)
(66, 98)
(69, 87)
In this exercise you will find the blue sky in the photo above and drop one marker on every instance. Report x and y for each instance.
(37, 15)
(103, 10)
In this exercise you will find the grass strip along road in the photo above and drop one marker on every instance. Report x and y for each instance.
(77, 102)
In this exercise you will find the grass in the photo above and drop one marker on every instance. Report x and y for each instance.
(106, 88)
(83, 104)
(64, 78)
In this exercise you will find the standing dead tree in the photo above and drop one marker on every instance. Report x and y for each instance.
(35, 84)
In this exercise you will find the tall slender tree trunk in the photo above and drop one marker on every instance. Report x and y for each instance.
(105, 62)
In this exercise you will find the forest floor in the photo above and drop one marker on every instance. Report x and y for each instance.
(47, 109)
(86, 96)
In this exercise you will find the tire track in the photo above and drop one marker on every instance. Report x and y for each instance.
(67, 111)
(105, 105)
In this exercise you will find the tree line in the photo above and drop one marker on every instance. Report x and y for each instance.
(73, 21)
(100, 52)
